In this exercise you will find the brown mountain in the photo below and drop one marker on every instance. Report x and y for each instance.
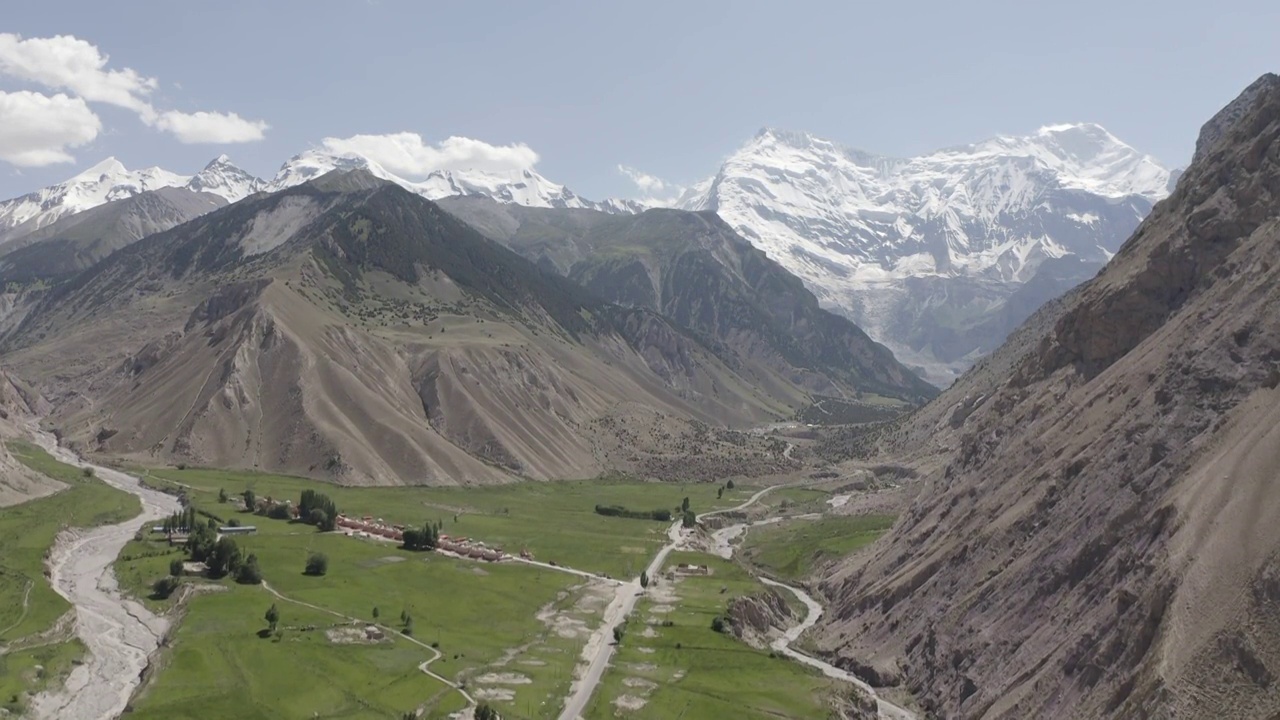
(1095, 534)
(349, 330)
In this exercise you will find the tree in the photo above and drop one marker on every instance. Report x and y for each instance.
(175, 567)
(717, 624)
(729, 485)
(619, 631)
(690, 519)
(222, 495)
(408, 624)
(200, 543)
(164, 587)
(249, 573)
(87, 472)
(719, 493)
(309, 502)
(485, 712)
(684, 505)
(272, 617)
(250, 500)
(317, 564)
(375, 613)
(644, 579)
(225, 558)
(317, 517)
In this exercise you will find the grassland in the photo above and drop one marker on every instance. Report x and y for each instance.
(487, 619)
(554, 520)
(28, 605)
(687, 670)
(791, 550)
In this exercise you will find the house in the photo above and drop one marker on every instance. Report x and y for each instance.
(238, 529)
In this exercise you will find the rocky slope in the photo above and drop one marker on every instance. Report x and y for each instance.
(925, 252)
(76, 241)
(695, 270)
(351, 330)
(1094, 535)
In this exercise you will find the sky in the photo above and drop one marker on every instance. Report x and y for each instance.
(612, 99)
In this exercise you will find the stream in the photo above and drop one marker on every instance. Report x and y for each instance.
(119, 633)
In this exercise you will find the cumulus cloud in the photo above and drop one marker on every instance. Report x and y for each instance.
(648, 184)
(64, 62)
(37, 129)
(407, 154)
(210, 127)
(67, 63)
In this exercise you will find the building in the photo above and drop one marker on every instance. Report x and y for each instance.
(238, 529)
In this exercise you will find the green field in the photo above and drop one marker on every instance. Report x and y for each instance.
(28, 605)
(791, 550)
(487, 619)
(688, 670)
(556, 521)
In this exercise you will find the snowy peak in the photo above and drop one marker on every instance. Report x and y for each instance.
(110, 180)
(517, 187)
(867, 232)
(222, 178)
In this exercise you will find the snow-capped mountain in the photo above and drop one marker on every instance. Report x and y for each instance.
(519, 187)
(109, 180)
(222, 178)
(924, 252)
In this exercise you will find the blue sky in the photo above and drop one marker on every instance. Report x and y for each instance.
(669, 88)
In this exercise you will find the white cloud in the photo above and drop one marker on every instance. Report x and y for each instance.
(68, 63)
(64, 62)
(648, 184)
(210, 127)
(37, 129)
(407, 154)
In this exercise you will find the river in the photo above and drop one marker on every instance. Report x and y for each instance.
(120, 633)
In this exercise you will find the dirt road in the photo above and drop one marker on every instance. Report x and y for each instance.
(120, 634)
(887, 710)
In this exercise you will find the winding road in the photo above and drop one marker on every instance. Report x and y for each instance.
(119, 633)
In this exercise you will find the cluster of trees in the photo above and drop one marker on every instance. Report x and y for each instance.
(318, 509)
(424, 538)
(221, 555)
(689, 520)
(183, 520)
(661, 515)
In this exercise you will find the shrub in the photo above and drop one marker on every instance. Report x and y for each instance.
(717, 624)
(164, 587)
(317, 564)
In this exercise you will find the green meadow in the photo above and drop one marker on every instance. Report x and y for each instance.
(688, 670)
(494, 624)
(793, 549)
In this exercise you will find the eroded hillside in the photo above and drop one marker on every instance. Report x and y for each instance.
(1096, 535)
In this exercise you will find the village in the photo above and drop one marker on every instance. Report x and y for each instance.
(365, 527)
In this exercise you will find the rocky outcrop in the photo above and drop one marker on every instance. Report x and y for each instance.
(753, 617)
(1095, 537)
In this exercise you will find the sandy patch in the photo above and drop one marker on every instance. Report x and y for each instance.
(633, 682)
(642, 667)
(646, 650)
(533, 663)
(390, 559)
(502, 694)
(348, 635)
(661, 609)
(649, 632)
(507, 678)
(633, 550)
(629, 703)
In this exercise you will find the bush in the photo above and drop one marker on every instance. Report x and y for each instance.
(249, 573)
(164, 587)
(317, 564)
(717, 624)
(87, 472)
(662, 515)
(175, 567)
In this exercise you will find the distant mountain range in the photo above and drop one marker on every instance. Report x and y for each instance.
(938, 257)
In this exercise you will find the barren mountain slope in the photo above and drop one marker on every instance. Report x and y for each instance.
(19, 405)
(77, 241)
(350, 330)
(694, 269)
(1098, 536)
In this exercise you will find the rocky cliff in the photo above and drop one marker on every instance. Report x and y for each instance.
(1095, 534)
